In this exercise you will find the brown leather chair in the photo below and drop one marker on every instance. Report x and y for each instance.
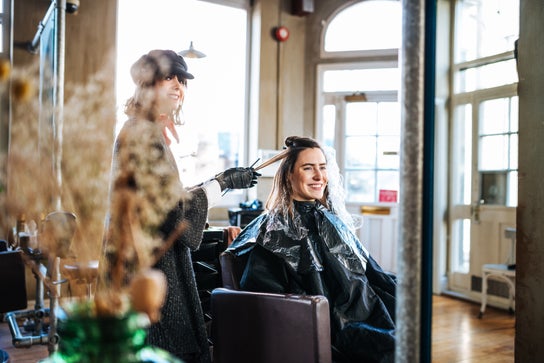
(264, 327)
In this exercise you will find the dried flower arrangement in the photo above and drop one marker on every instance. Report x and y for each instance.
(31, 186)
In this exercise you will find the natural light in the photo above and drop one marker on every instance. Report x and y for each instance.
(366, 17)
(212, 138)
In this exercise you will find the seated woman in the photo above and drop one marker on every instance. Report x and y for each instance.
(304, 243)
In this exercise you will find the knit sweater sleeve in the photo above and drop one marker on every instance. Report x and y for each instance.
(187, 221)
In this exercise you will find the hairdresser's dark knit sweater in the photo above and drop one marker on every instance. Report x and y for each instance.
(147, 195)
(182, 329)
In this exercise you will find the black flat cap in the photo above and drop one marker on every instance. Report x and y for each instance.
(158, 64)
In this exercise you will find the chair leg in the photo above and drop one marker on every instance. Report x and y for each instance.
(4, 356)
(484, 295)
(511, 297)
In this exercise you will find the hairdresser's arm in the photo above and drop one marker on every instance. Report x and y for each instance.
(213, 192)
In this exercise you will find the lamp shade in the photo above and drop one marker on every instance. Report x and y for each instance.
(191, 52)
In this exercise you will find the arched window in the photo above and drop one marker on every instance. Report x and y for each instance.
(364, 26)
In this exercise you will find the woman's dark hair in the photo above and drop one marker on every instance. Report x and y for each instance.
(281, 195)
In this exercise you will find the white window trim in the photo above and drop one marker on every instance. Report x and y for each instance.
(322, 96)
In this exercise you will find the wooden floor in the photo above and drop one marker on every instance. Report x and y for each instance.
(458, 336)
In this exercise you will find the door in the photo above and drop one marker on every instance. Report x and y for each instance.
(483, 190)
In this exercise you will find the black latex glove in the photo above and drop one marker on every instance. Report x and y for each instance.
(237, 178)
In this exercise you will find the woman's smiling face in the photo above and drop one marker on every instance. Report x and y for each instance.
(309, 176)
(170, 93)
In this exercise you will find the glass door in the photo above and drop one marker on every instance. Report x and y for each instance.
(483, 185)
(483, 140)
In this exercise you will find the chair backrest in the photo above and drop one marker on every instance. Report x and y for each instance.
(12, 282)
(232, 268)
(265, 328)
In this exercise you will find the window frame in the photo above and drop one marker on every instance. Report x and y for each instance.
(344, 55)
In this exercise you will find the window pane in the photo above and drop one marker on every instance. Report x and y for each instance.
(461, 245)
(329, 125)
(513, 152)
(493, 152)
(494, 116)
(361, 118)
(389, 116)
(498, 143)
(490, 75)
(388, 180)
(485, 27)
(361, 152)
(388, 152)
(367, 18)
(462, 154)
(514, 114)
(372, 141)
(369, 79)
(360, 186)
(493, 188)
(512, 194)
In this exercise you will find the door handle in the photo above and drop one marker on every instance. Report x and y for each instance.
(475, 211)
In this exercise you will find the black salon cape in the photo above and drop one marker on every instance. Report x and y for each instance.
(328, 261)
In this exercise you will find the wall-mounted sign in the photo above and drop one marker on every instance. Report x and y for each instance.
(389, 196)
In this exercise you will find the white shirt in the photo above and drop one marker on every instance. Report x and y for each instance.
(213, 192)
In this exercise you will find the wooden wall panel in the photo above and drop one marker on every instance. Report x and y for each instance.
(90, 35)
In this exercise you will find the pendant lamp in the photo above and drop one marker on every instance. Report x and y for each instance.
(191, 52)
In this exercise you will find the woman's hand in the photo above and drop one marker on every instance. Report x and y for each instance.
(237, 178)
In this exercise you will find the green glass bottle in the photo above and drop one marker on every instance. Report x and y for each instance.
(90, 339)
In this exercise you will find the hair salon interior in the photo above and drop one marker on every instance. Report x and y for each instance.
(434, 109)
